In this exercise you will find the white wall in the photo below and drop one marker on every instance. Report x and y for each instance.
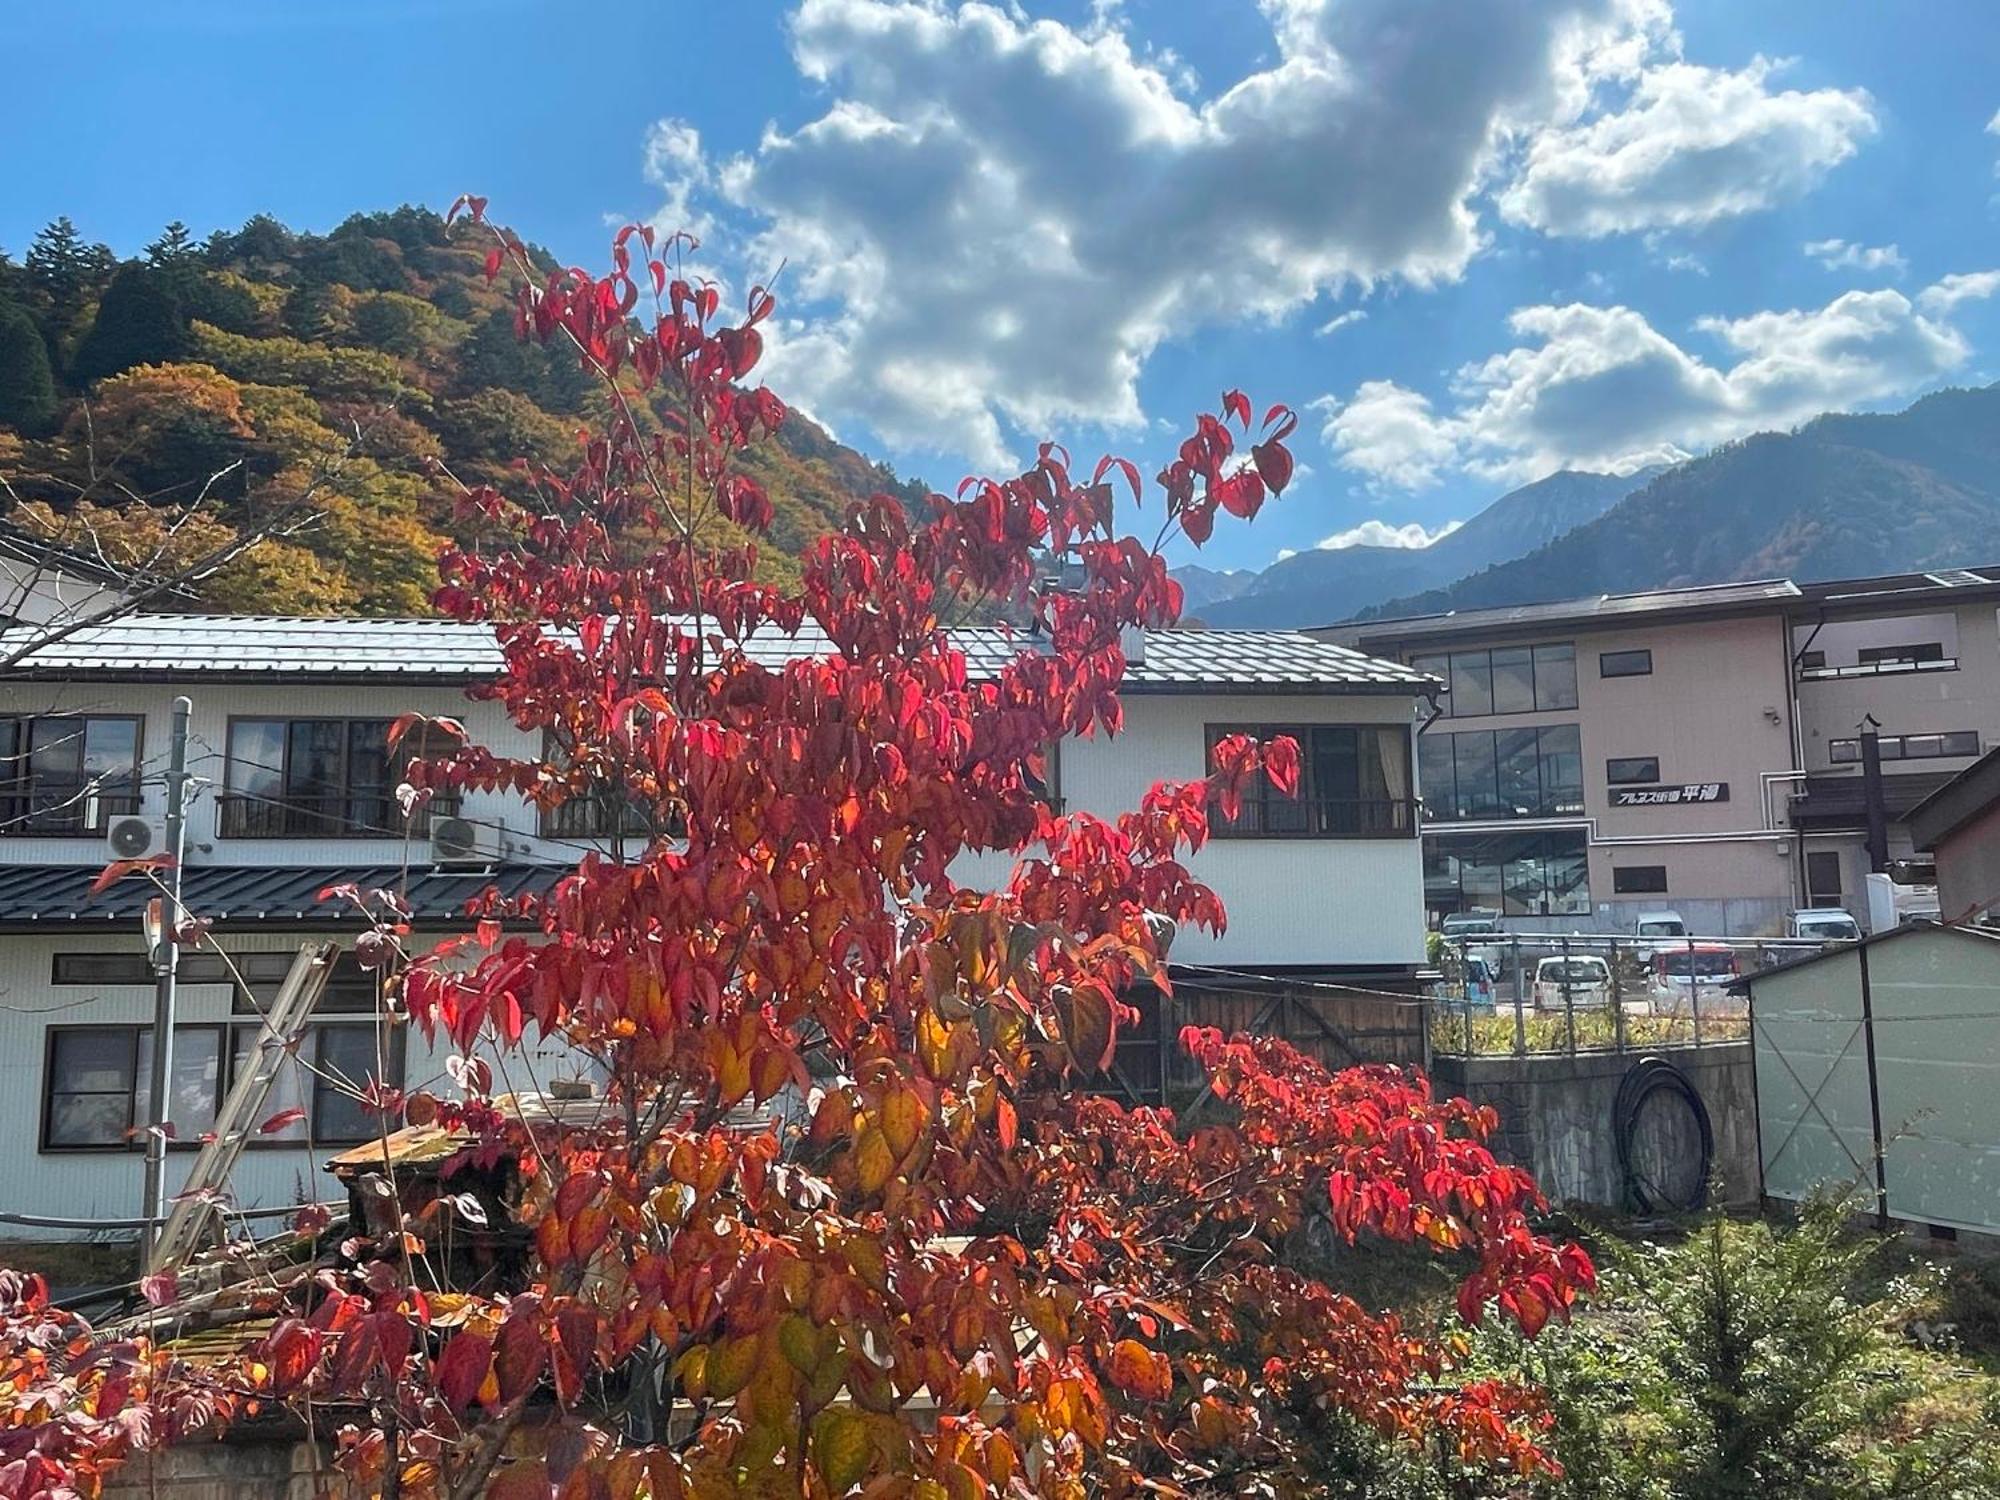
(1290, 900)
(95, 1183)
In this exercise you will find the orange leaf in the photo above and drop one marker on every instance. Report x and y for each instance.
(1141, 1372)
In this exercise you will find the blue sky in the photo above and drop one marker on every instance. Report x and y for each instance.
(1588, 232)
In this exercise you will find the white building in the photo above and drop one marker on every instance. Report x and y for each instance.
(296, 792)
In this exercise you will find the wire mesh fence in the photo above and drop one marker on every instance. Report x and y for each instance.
(1524, 994)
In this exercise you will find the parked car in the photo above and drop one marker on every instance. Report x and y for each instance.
(1481, 981)
(1465, 924)
(1582, 982)
(1654, 929)
(1826, 924)
(1695, 973)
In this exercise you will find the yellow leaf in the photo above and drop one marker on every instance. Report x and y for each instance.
(874, 1161)
(903, 1119)
(841, 1447)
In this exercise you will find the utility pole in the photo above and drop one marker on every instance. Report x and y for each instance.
(166, 966)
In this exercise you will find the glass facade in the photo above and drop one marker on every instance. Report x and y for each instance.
(1529, 772)
(1515, 874)
(1505, 680)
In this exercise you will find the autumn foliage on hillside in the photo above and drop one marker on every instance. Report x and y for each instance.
(851, 1220)
(367, 370)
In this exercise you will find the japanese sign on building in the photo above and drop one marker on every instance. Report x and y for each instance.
(1661, 796)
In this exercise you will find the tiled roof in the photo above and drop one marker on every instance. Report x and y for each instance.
(271, 646)
(58, 897)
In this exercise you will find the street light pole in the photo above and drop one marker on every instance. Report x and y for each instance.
(166, 964)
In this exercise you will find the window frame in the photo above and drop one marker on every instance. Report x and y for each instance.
(1614, 777)
(1845, 750)
(1909, 653)
(1402, 811)
(17, 778)
(1605, 658)
(1559, 698)
(1625, 880)
(245, 1019)
(230, 802)
(1548, 787)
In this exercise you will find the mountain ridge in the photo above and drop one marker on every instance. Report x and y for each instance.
(1846, 495)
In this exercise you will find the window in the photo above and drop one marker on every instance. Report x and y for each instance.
(100, 1084)
(1505, 680)
(1811, 661)
(1529, 772)
(1513, 680)
(97, 1089)
(1936, 746)
(1625, 663)
(1471, 683)
(1627, 769)
(134, 968)
(1639, 880)
(1913, 651)
(68, 774)
(1555, 677)
(1823, 878)
(1517, 874)
(1354, 782)
(321, 778)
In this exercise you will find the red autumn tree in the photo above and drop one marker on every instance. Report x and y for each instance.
(851, 1220)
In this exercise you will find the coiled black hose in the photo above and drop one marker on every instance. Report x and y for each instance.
(1648, 1076)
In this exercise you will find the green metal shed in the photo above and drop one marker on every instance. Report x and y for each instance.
(1878, 1068)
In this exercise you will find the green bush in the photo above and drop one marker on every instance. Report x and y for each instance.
(1761, 1359)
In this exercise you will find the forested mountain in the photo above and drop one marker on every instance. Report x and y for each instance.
(1320, 586)
(240, 371)
(1842, 497)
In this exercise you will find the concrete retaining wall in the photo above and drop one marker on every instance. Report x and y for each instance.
(1556, 1117)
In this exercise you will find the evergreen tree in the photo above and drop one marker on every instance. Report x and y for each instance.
(173, 249)
(27, 385)
(139, 322)
(62, 273)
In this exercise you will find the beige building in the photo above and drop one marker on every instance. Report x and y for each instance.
(1697, 750)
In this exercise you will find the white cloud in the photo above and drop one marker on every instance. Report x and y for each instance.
(993, 221)
(1601, 388)
(1344, 320)
(674, 162)
(1838, 255)
(1379, 533)
(1961, 286)
(1692, 145)
(1391, 434)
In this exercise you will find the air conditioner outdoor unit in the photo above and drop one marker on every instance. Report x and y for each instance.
(134, 837)
(455, 841)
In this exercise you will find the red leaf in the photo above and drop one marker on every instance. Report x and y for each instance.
(1237, 405)
(160, 1288)
(282, 1119)
(1274, 463)
(461, 1369)
(1281, 764)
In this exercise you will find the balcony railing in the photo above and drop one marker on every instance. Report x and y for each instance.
(1323, 818)
(75, 806)
(1876, 669)
(334, 817)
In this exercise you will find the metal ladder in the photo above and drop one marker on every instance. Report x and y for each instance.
(196, 1212)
